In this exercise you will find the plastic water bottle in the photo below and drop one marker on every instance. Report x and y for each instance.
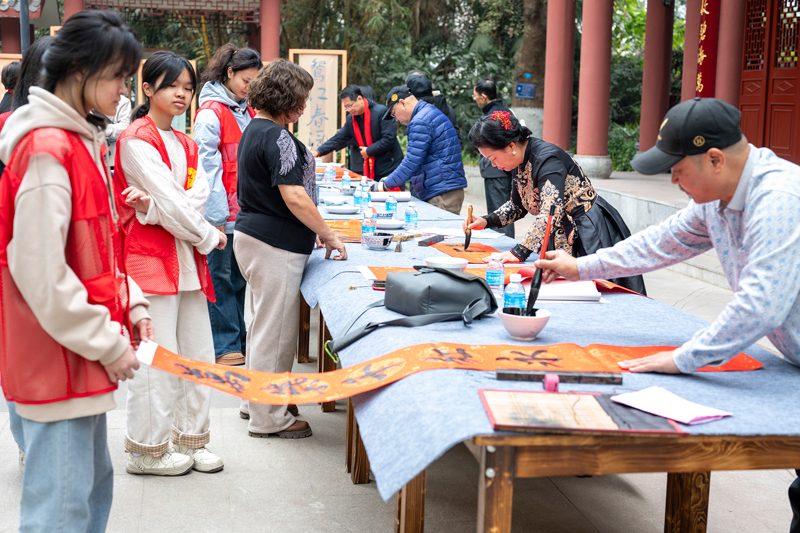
(496, 276)
(346, 180)
(357, 198)
(366, 197)
(329, 174)
(391, 204)
(515, 293)
(373, 213)
(411, 217)
(367, 226)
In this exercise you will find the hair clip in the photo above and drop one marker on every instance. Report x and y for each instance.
(504, 117)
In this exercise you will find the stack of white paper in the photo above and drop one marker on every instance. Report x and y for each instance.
(661, 402)
(571, 291)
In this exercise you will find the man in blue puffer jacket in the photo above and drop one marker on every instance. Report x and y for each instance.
(433, 159)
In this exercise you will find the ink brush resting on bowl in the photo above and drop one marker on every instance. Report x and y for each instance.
(536, 283)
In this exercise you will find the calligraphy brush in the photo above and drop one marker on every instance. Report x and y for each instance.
(536, 283)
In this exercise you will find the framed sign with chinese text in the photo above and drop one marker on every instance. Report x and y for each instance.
(324, 114)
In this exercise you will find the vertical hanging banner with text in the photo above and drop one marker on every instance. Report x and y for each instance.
(707, 49)
(320, 121)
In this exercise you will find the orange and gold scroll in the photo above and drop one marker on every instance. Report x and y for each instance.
(474, 254)
(280, 389)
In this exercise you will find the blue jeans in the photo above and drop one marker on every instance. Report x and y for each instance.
(16, 425)
(227, 313)
(68, 481)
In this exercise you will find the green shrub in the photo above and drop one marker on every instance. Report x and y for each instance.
(621, 145)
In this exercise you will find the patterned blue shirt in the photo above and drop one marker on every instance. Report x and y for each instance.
(757, 238)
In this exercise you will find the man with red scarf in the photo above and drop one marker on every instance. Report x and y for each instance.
(374, 150)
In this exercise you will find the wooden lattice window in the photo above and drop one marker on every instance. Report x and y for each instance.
(755, 32)
(788, 30)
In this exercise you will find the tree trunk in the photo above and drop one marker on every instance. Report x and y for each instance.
(530, 60)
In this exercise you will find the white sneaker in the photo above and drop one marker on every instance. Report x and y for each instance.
(204, 460)
(169, 464)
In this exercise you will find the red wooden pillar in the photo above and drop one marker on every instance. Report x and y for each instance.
(10, 34)
(657, 71)
(729, 50)
(690, 47)
(558, 73)
(73, 6)
(595, 83)
(269, 17)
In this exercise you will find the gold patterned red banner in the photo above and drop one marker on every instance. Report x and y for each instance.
(285, 388)
(707, 49)
(347, 230)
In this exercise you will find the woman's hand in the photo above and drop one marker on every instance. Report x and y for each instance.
(136, 199)
(143, 331)
(223, 240)
(505, 257)
(661, 363)
(479, 223)
(333, 243)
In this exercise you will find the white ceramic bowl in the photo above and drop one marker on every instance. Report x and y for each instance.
(524, 328)
(378, 241)
(453, 263)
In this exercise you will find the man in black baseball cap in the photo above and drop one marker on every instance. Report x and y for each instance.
(746, 205)
(691, 128)
(398, 93)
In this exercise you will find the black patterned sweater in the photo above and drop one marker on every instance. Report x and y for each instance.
(547, 176)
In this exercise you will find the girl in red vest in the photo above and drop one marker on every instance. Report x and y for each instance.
(218, 126)
(158, 174)
(68, 310)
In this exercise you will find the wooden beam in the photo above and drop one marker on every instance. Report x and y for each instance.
(656, 456)
(496, 489)
(305, 331)
(410, 508)
(687, 502)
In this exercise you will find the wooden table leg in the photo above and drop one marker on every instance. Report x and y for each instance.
(324, 362)
(687, 502)
(410, 514)
(305, 331)
(496, 489)
(359, 462)
(351, 420)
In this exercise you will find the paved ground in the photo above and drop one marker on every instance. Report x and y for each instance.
(300, 486)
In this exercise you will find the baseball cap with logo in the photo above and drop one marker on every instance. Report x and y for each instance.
(398, 93)
(690, 128)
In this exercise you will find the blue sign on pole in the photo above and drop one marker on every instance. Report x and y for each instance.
(526, 90)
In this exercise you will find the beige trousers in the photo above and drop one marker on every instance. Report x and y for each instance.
(449, 201)
(160, 404)
(274, 276)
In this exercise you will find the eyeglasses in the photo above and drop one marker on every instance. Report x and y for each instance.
(348, 107)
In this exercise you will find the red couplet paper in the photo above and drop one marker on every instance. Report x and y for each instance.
(474, 254)
(279, 389)
(347, 230)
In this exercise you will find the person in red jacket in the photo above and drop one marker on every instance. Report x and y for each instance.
(218, 126)
(165, 190)
(69, 312)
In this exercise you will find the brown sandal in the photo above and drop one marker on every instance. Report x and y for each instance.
(299, 430)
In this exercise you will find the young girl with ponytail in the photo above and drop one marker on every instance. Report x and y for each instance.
(165, 189)
(68, 312)
(220, 121)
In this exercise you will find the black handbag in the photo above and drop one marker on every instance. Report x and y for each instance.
(428, 296)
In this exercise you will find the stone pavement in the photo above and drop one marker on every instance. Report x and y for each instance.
(300, 486)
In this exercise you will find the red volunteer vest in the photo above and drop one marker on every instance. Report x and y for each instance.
(4, 118)
(34, 368)
(151, 257)
(230, 135)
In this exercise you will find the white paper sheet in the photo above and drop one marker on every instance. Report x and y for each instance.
(661, 402)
